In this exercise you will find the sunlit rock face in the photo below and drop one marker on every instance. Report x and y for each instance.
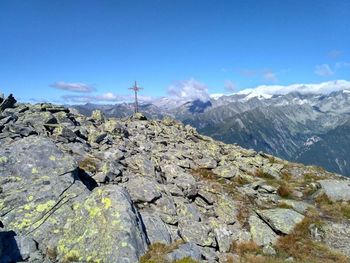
(97, 189)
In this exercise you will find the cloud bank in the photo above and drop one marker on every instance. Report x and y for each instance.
(320, 88)
(103, 98)
(187, 90)
(324, 70)
(74, 87)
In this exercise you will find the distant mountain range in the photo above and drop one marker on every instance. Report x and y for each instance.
(303, 123)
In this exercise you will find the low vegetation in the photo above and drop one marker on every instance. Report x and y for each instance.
(334, 209)
(301, 247)
(157, 253)
(89, 164)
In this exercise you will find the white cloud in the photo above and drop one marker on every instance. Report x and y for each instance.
(270, 76)
(230, 86)
(108, 97)
(319, 88)
(340, 65)
(335, 53)
(74, 87)
(324, 70)
(188, 90)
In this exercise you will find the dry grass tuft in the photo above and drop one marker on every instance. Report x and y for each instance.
(301, 247)
(285, 191)
(243, 248)
(157, 253)
(333, 209)
(89, 164)
(204, 173)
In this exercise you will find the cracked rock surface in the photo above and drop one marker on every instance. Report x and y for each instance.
(92, 189)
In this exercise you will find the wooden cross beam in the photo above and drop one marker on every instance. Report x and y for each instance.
(135, 88)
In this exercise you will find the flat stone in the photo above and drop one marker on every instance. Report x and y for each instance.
(336, 190)
(143, 189)
(199, 233)
(261, 233)
(185, 250)
(226, 171)
(281, 219)
(156, 230)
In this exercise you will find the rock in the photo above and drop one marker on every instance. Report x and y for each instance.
(185, 250)
(280, 219)
(187, 211)
(105, 227)
(224, 235)
(273, 170)
(97, 116)
(9, 250)
(199, 233)
(261, 233)
(156, 230)
(299, 206)
(26, 246)
(53, 108)
(143, 189)
(139, 116)
(110, 172)
(226, 171)
(336, 190)
(66, 133)
(39, 183)
(1, 97)
(32, 156)
(226, 210)
(269, 250)
(165, 206)
(337, 236)
(207, 163)
(187, 184)
(141, 164)
(9, 102)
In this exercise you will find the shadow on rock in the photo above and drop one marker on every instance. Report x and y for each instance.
(9, 251)
(85, 178)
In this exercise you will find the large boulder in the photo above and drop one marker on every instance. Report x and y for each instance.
(226, 171)
(337, 236)
(9, 102)
(105, 227)
(46, 199)
(281, 220)
(38, 183)
(157, 231)
(261, 233)
(336, 190)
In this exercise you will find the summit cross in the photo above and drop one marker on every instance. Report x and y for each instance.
(135, 88)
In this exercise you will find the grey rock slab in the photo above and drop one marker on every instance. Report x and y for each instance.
(9, 102)
(156, 230)
(187, 210)
(226, 171)
(299, 206)
(206, 162)
(262, 233)
(337, 236)
(103, 227)
(143, 189)
(34, 155)
(281, 219)
(197, 232)
(336, 190)
(185, 250)
(226, 209)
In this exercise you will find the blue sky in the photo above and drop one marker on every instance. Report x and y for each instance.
(94, 50)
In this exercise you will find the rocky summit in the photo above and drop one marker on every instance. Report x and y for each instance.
(96, 189)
